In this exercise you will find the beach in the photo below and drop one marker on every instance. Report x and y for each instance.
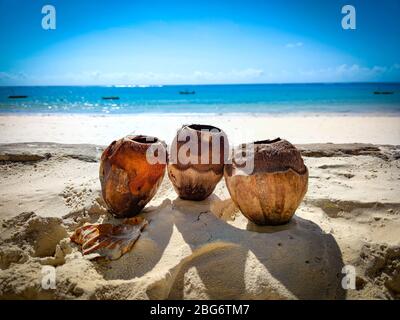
(350, 217)
(206, 150)
(240, 128)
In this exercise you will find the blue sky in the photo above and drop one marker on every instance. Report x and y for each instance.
(198, 42)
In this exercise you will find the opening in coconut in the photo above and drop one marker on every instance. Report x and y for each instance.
(268, 141)
(200, 127)
(143, 139)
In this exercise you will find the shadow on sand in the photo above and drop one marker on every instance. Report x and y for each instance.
(230, 260)
(296, 260)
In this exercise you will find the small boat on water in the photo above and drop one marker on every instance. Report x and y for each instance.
(187, 92)
(17, 97)
(111, 98)
(384, 92)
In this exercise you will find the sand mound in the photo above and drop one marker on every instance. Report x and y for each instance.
(36, 235)
(381, 266)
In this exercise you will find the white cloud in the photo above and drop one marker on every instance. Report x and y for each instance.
(340, 73)
(396, 66)
(294, 45)
(4, 76)
(356, 72)
(150, 77)
(232, 75)
(352, 72)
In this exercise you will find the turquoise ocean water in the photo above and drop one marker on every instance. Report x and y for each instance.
(220, 99)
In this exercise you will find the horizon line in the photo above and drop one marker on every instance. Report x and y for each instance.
(201, 84)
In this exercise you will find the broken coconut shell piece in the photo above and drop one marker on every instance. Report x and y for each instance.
(128, 179)
(108, 240)
(271, 193)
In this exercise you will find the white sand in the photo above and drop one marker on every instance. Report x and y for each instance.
(240, 128)
(204, 250)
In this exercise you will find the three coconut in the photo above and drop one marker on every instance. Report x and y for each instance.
(268, 194)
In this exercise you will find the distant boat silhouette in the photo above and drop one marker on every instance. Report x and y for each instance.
(17, 97)
(187, 92)
(384, 92)
(110, 98)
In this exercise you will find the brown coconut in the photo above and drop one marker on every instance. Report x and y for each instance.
(271, 193)
(128, 180)
(196, 164)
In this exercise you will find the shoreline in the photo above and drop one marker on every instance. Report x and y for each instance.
(103, 129)
(305, 114)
